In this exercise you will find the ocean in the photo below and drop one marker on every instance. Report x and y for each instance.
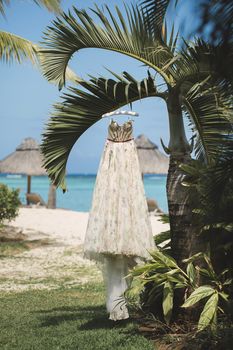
(80, 189)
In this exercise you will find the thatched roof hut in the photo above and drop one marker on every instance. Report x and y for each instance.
(151, 160)
(26, 160)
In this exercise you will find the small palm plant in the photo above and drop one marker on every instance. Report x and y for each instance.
(190, 88)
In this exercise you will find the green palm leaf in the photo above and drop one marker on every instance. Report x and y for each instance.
(13, 47)
(71, 33)
(210, 113)
(80, 110)
(3, 4)
(196, 61)
(154, 11)
(51, 5)
(193, 63)
(213, 185)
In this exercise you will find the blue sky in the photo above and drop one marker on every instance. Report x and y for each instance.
(27, 98)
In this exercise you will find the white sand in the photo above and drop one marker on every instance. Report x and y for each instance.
(60, 263)
(65, 225)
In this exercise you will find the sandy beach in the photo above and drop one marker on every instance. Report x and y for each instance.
(58, 261)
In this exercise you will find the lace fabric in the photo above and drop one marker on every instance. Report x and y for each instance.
(119, 229)
(119, 221)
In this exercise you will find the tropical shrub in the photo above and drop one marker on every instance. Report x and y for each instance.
(164, 277)
(9, 203)
(211, 190)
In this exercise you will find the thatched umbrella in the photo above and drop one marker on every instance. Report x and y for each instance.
(25, 160)
(151, 160)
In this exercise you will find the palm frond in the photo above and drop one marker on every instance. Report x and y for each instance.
(193, 63)
(73, 32)
(212, 187)
(199, 59)
(154, 10)
(70, 75)
(13, 47)
(211, 115)
(3, 4)
(81, 108)
(51, 5)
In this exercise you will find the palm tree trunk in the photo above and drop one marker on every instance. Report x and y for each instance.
(184, 233)
(179, 210)
(52, 197)
(184, 239)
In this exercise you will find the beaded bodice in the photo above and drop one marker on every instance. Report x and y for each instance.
(120, 133)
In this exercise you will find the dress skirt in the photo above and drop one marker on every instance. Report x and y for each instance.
(119, 222)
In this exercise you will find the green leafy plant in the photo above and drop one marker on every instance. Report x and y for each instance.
(9, 203)
(214, 293)
(165, 276)
(210, 188)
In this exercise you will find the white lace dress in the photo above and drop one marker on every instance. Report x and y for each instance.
(119, 229)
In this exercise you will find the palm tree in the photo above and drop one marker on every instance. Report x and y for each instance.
(188, 75)
(16, 48)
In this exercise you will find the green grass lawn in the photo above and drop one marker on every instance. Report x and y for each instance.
(64, 319)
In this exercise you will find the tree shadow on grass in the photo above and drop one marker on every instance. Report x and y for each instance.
(95, 317)
(89, 309)
(104, 322)
(56, 316)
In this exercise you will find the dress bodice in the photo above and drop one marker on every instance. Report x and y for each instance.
(120, 133)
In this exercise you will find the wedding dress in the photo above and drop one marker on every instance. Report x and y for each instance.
(119, 228)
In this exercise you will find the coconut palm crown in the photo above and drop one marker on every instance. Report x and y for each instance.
(187, 75)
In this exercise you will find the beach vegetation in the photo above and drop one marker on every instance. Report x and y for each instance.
(205, 286)
(210, 188)
(199, 284)
(9, 203)
(207, 322)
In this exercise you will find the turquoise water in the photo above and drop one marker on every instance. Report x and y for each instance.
(80, 189)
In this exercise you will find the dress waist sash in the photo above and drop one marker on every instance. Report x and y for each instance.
(121, 140)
